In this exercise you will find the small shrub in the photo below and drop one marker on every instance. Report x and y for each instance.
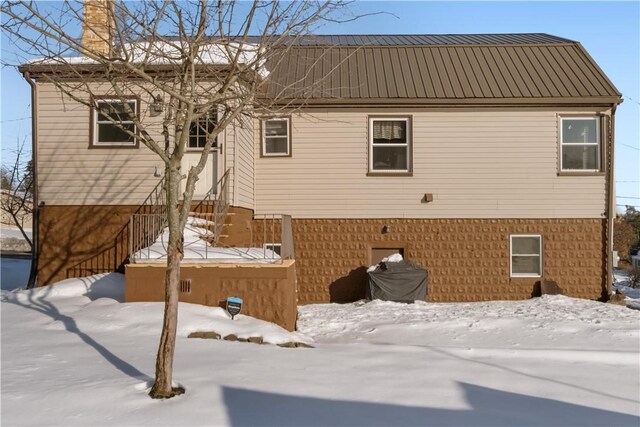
(624, 238)
(634, 278)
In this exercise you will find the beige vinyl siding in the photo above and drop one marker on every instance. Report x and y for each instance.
(496, 163)
(241, 163)
(70, 173)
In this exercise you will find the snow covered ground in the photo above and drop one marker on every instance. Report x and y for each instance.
(12, 240)
(13, 231)
(72, 355)
(622, 285)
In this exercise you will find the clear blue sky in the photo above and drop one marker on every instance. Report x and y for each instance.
(610, 31)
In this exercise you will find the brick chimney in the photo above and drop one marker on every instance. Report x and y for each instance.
(97, 26)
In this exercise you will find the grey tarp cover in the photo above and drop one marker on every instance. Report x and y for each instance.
(397, 281)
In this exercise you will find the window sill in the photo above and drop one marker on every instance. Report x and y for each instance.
(266, 156)
(112, 146)
(198, 150)
(579, 173)
(389, 173)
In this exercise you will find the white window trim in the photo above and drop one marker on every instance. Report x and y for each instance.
(96, 122)
(264, 137)
(407, 144)
(540, 255)
(596, 144)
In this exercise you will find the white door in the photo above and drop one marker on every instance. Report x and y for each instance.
(197, 139)
(209, 175)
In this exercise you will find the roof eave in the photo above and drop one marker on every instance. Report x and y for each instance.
(451, 102)
(70, 70)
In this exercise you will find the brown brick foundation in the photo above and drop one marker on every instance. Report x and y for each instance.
(78, 241)
(467, 259)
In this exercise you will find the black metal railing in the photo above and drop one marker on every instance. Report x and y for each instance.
(116, 255)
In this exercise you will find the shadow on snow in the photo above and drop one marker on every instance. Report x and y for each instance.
(489, 407)
(97, 290)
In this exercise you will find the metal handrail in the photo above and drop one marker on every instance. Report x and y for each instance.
(221, 207)
(150, 231)
(145, 227)
(117, 254)
(156, 199)
(155, 205)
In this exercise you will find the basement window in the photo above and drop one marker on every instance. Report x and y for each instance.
(580, 144)
(113, 123)
(275, 247)
(526, 255)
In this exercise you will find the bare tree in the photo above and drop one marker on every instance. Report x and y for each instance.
(16, 203)
(185, 58)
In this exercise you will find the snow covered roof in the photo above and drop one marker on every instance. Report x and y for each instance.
(162, 53)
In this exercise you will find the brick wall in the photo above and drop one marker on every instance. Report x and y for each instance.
(97, 28)
(77, 241)
(467, 259)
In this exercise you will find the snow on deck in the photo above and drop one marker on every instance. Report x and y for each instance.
(198, 249)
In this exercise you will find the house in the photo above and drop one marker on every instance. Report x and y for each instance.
(487, 159)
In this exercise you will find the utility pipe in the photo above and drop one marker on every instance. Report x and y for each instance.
(611, 214)
(35, 223)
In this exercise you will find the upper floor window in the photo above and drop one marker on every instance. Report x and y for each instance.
(390, 145)
(526, 255)
(276, 137)
(113, 122)
(201, 128)
(580, 144)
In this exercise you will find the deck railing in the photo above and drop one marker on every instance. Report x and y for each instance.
(271, 242)
(146, 228)
(273, 231)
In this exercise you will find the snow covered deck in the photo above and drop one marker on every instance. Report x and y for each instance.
(197, 249)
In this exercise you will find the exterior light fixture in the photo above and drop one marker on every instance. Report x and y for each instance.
(157, 106)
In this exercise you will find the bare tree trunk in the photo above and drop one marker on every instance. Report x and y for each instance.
(124, 46)
(162, 387)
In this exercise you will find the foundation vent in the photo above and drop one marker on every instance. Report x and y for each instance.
(185, 286)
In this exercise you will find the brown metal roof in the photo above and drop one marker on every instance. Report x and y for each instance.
(443, 69)
(424, 39)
